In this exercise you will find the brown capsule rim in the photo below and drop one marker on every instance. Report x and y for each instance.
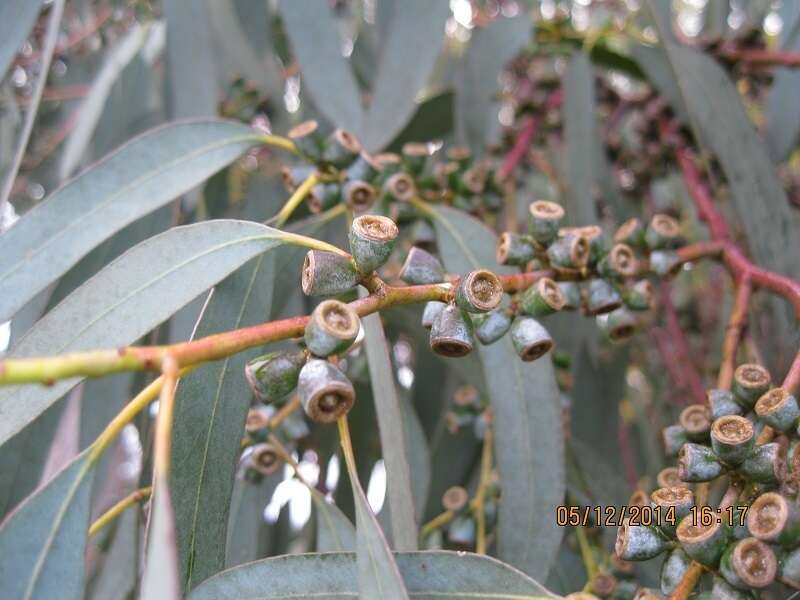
(625, 230)
(672, 496)
(265, 450)
(546, 210)
(665, 225)
(386, 158)
(307, 273)
(503, 247)
(347, 140)
(764, 562)
(551, 293)
(668, 477)
(579, 250)
(695, 418)
(638, 498)
(458, 153)
(376, 228)
(751, 376)
(337, 319)
(256, 419)
(450, 346)
(359, 195)
(345, 398)
(623, 260)
(484, 289)
(286, 178)
(689, 532)
(455, 498)
(772, 401)
(732, 429)
(767, 516)
(402, 186)
(416, 149)
(536, 350)
(302, 129)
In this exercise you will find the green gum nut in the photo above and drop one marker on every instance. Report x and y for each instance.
(774, 519)
(461, 531)
(341, 149)
(479, 291)
(601, 297)
(603, 585)
(294, 176)
(705, 544)
(399, 187)
(364, 168)
(789, 569)
(514, 249)
(664, 262)
(599, 243)
(542, 298)
(766, 464)
(415, 156)
(639, 296)
(430, 312)
(308, 140)
(698, 463)
(473, 180)
(372, 239)
(673, 569)
(625, 590)
(544, 219)
(531, 340)
(674, 437)
(455, 499)
(332, 328)
(571, 290)
(491, 326)
(618, 325)
(631, 232)
(722, 590)
(273, 376)
(421, 268)
(466, 203)
(662, 231)
(327, 274)
(639, 542)
(750, 382)
(696, 422)
(748, 563)
(461, 155)
(778, 409)
(732, 438)
(451, 332)
(325, 392)
(672, 504)
(358, 195)
(264, 459)
(722, 403)
(323, 196)
(620, 262)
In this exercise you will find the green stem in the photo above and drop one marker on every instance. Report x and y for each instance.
(295, 199)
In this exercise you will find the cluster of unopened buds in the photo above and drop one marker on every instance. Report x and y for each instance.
(349, 174)
(753, 538)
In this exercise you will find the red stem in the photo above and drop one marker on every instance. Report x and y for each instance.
(690, 376)
(520, 148)
(762, 57)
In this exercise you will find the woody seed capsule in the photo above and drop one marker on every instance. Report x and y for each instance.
(451, 332)
(325, 392)
(639, 542)
(272, 376)
(455, 498)
(664, 262)
(674, 501)
(775, 519)
(332, 328)
(619, 262)
(430, 312)
(421, 268)
(618, 325)
(372, 239)
(514, 249)
(327, 274)
(750, 382)
(359, 195)
(668, 477)
(399, 187)
(673, 569)
(531, 340)
(294, 176)
(308, 140)
(479, 291)
(732, 439)
(544, 219)
(674, 437)
(722, 403)
(323, 196)
(748, 563)
(696, 422)
(705, 544)
(639, 296)
(341, 149)
(544, 297)
(569, 252)
(491, 326)
(415, 156)
(697, 463)
(766, 464)
(264, 459)
(631, 232)
(602, 297)
(662, 231)
(572, 294)
(778, 409)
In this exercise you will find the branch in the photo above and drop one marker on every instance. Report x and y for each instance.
(116, 510)
(733, 333)
(761, 57)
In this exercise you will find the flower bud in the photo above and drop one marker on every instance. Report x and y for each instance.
(372, 239)
(639, 296)
(451, 332)
(544, 219)
(618, 325)
(696, 422)
(668, 477)
(661, 232)
(569, 252)
(619, 262)
(602, 297)
(421, 268)
(673, 569)
(732, 439)
(722, 404)
(778, 409)
(479, 291)
(664, 262)
(775, 519)
(491, 326)
(674, 437)
(273, 376)
(514, 249)
(766, 464)
(430, 312)
(308, 140)
(461, 531)
(359, 195)
(325, 392)
(748, 563)
(750, 382)
(455, 498)
(341, 149)
(399, 187)
(631, 232)
(415, 156)
(327, 274)
(639, 542)
(264, 459)
(332, 328)
(544, 297)
(571, 291)
(705, 544)
(531, 340)
(698, 463)
(672, 501)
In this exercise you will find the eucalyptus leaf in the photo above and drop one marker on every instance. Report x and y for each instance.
(783, 119)
(161, 577)
(335, 532)
(428, 575)
(142, 175)
(247, 531)
(17, 18)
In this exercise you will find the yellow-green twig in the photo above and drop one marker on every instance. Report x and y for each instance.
(436, 522)
(586, 555)
(295, 199)
(116, 510)
(279, 142)
(478, 505)
(166, 405)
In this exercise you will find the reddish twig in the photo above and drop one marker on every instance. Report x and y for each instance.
(666, 350)
(690, 376)
(702, 198)
(102, 15)
(520, 148)
(761, 57)
(792, 381)
(626, 450)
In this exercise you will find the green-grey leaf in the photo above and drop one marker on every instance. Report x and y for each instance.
(783, 118)
(119, 573)
(335, 532)
(394, 441)
(129, 297)
(527, 416)
(433, 120)
(417, 24)
(314, 37)
(144, 174)
(477, 104)
(160, 580)
(16, 21)
(247, 531)
(428, 576)
(43, 540)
